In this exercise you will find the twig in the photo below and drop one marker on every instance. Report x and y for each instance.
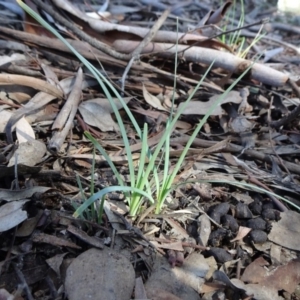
(208, 56)
(64, 120)
(95, 43)
(294, 113)
(23, 282)
(52, 287)
(16, 181)
(147, 39)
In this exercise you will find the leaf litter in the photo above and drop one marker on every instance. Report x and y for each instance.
(212, 239)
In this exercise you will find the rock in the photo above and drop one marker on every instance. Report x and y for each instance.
(257, 223)
(177, 283)
(220, 254)
(100, 274)
(229, 222)
(258, 236)
(243, 211)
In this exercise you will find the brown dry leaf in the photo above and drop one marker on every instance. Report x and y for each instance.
(105, 104)
(256, 291)
(218, 15)
(17, 93)
(94, 115)
(24, 131)
(243, 231)
(286, 232)
(55, 262)
(39, 101)
(97, 112)
(285, 277)
(256, 271)
(50, 75)
(204, 229)
(29, 225)
(12, 214)
(10, 195)
(152, 100)
(156, 114)
(28, 153)
(201, 108)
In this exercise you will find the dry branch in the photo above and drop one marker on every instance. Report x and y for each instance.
(65, 118)
(38, 84)
(92, 53)
(206, 56)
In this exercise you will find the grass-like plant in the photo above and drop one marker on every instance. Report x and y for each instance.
(235, 39)
(146, 181)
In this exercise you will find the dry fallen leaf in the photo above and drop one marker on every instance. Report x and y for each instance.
(201, 108)
(24, 131)
(243, 231)
(286, 232)
(12, 214)
(94, 115)
(28, 153)
(152, 100)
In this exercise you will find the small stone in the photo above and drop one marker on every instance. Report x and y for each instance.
(243, 211)
(222, 208)
(258, 236)
(230, 222)
(256, 207)
(215, 216)
(257, 223)
(220, 254)
(217, 236)
(100, 274)
(269, 214)
(268, 204)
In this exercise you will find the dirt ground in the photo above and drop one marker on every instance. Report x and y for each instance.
(228, 227)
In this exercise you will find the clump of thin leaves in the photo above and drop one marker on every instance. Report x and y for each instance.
(234, 39)
(146, 181)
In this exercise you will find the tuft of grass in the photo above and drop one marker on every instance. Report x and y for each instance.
(146, 182)
(235, 40)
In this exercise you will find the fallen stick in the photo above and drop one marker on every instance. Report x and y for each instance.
(224, 60)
